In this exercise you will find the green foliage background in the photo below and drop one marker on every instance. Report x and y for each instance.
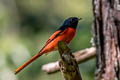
(25, 25)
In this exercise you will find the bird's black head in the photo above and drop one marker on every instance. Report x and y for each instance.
(71, 22)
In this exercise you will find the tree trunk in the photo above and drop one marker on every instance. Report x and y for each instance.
(107, 38)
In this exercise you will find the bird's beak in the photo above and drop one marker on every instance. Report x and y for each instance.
(79, 19)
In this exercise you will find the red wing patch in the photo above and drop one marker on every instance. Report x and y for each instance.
(56, 34)
(52, 37)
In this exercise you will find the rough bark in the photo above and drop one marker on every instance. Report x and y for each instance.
(80, 56)
(68, 65)
(107, 38)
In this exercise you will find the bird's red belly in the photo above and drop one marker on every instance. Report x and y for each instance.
(67, 36)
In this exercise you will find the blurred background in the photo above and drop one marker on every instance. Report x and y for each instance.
(25, 26)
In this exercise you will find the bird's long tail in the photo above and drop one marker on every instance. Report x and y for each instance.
(28, 62)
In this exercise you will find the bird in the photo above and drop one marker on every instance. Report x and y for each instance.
(65, 33)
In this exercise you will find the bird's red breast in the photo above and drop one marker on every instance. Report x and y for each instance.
(65, 33)
(66, 36)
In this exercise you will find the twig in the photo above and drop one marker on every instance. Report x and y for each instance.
(81, 56)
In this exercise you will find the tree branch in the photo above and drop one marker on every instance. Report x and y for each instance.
(80, 56)
(68, 64)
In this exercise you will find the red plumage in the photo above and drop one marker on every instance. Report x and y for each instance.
(64, 33)
(65, 36)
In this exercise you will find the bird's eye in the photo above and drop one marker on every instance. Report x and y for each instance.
(72, 20)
